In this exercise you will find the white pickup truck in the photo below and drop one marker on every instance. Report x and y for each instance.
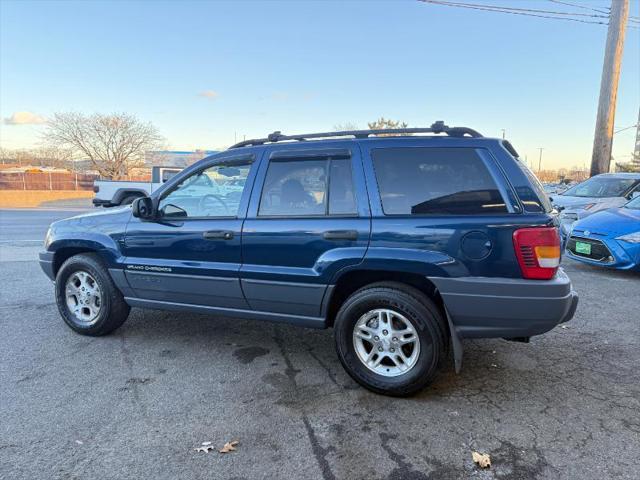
(110, 193)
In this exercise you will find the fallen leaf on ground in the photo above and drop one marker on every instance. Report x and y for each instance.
(205, 448)
(482, 459)
(229, 447)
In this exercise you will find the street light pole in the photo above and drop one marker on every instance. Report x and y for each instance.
(540, 160)
(636, 150)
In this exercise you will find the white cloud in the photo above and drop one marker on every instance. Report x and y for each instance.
(210, 94)
(24, 118)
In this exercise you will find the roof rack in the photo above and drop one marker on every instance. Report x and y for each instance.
(437, 127)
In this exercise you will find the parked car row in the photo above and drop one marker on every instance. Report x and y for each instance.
(556, 188)
(600, 220)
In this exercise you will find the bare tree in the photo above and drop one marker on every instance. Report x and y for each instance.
(384, 123)
(52, 156)
(114, 143)
(7, 155)
(341, 127)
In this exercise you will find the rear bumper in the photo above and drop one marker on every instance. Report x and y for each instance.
(46, 264)
(482, 307)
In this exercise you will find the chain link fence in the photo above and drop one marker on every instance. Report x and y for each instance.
(46, 181)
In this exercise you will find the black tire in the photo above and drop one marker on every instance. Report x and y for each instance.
(128, 200)
(113, 309)
(427, 320)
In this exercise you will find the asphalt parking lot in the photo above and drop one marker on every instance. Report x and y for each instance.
(135, 404)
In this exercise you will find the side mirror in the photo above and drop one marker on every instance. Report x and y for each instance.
(635, 194)
(142, 207)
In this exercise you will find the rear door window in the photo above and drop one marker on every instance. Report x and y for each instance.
(306, 187)
(435, 181)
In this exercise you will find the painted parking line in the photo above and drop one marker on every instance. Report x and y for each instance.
(21, 241)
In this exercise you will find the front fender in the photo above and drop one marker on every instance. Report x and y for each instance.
(104, 246)
(100, 232)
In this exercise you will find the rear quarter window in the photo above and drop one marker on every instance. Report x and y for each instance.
(533, 196)
(435, 181)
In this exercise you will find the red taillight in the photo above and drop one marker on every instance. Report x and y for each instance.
(538, 251)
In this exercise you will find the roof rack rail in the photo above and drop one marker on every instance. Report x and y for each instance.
(437, 127)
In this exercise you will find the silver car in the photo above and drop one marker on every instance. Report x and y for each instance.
(600, 192)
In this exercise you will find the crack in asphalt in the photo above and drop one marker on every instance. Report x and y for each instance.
(319, 452)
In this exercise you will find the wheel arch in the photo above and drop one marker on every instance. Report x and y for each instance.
(65, 253)
(122, 193)
(353, 280)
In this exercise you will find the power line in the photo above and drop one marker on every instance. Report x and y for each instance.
(515, 9)
(626, 128)
(580, 6)
(524, 12)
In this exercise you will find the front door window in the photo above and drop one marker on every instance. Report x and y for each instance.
(212, 192)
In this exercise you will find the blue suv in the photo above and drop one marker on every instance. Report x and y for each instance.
(404, 243)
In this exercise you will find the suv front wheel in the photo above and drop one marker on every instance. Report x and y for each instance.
(390, 338)
(87, 298)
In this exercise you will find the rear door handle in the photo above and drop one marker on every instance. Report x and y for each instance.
(340, 235)
(218, 235)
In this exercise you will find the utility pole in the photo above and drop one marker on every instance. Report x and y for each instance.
(540, 160)
(636, 151)
(603, 138)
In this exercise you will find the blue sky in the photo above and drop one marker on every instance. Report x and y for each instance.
(207, 72)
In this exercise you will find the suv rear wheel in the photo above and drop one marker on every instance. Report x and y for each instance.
(390, 338)
(87, 298)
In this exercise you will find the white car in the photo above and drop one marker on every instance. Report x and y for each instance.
(111, 193)
(608, 190)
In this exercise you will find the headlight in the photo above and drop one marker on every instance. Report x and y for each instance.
(569, 216)
(630, 237)
(47, 239)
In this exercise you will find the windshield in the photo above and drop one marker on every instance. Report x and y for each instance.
(601, 187)
(634, 204)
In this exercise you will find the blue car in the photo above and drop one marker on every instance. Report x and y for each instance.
(610, 238)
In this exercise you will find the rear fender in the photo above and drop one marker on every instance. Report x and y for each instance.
(421, 262)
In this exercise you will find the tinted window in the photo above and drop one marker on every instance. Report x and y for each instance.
(416, 181)
(299, 188)
(342, 200)
(533, 196)
(214, 192)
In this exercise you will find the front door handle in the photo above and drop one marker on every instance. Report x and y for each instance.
(340, 235)
(218, 235)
